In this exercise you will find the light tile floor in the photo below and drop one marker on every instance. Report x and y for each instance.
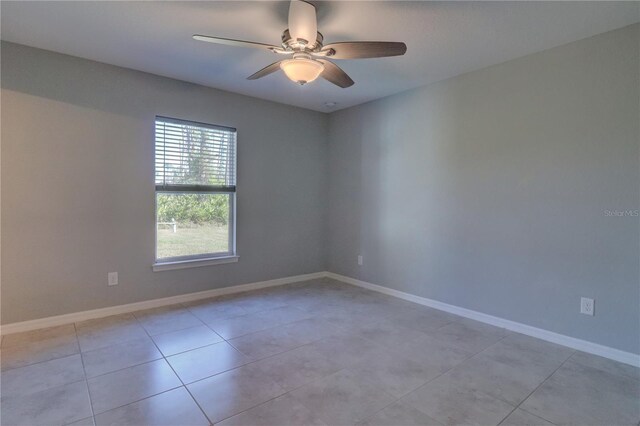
(312, 353)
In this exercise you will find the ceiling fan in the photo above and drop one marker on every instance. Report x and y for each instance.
(309, 58)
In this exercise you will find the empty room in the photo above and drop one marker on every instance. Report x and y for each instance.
(338, 213)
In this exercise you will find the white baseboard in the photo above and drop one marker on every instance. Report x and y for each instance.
(549, 336)
(148, 304)
(561, 339)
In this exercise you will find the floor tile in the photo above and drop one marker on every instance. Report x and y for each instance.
(251, 323)
(21, 355)
(117, 357)
(343, 398)
(171, 408)
(521, 351)
(17, 339)
(316, 304)
(185, 340)
(276, 298)
(109, 322)
(38, 377)
(399, 414)
(166, 319)
(607, 365)
(88, 421)
(287, 314)
(211, 310)
(577, 394)
(394, 373)
(470, 336)
(499, 380)
(279, 339)
(345, 349)
(55, 406)
(104, 332)
(242, 325)
(281, 411)
(207, 361)
(131, 384)
(232, 392)
(298, 367)
(314, 328)
(522, 418)
(253, 303)
(435, 356)
(386, 333)
(422, 319)
(448, 403)
(340, 316)
(266, 343)
(375, 309)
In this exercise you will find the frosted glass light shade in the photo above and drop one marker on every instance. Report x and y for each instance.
(302, 70)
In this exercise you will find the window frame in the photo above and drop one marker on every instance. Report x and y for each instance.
(202, 259)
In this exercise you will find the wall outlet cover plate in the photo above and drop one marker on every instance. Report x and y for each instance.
(587, 306)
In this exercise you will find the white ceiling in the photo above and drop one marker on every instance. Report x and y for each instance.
(443, 38)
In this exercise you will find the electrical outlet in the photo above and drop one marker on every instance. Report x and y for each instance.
(112, 278)
(587, 306)
(360, 260)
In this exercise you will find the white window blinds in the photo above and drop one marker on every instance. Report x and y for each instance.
(193, 156)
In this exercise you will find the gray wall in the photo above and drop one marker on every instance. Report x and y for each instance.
(489, 190)
(78, 184)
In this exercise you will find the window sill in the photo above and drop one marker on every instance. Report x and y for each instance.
(195, 263)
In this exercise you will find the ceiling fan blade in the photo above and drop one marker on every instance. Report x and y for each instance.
(231, 42)
(302, 21)
(269, 69)
(335, 75)
(364, 49)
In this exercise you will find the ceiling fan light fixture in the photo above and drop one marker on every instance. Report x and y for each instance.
(302, 70)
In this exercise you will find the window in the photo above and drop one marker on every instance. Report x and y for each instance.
(195, 191)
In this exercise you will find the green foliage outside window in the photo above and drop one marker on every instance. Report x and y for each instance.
(193, 208)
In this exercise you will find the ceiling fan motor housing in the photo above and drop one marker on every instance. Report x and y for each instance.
(289, 43)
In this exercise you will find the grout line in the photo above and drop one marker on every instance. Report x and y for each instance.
(125, 368)
(615, 373)
(178, 376)
(500, 399)
(84, 369)
(396, 401)
(198, 405)
(221, 372)
(287, 392)
(163, 357)
(140, 399)
(256, 406)
(136, 401)
(537, 387)
(46, 360)
(444, 372)
(253, 361)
